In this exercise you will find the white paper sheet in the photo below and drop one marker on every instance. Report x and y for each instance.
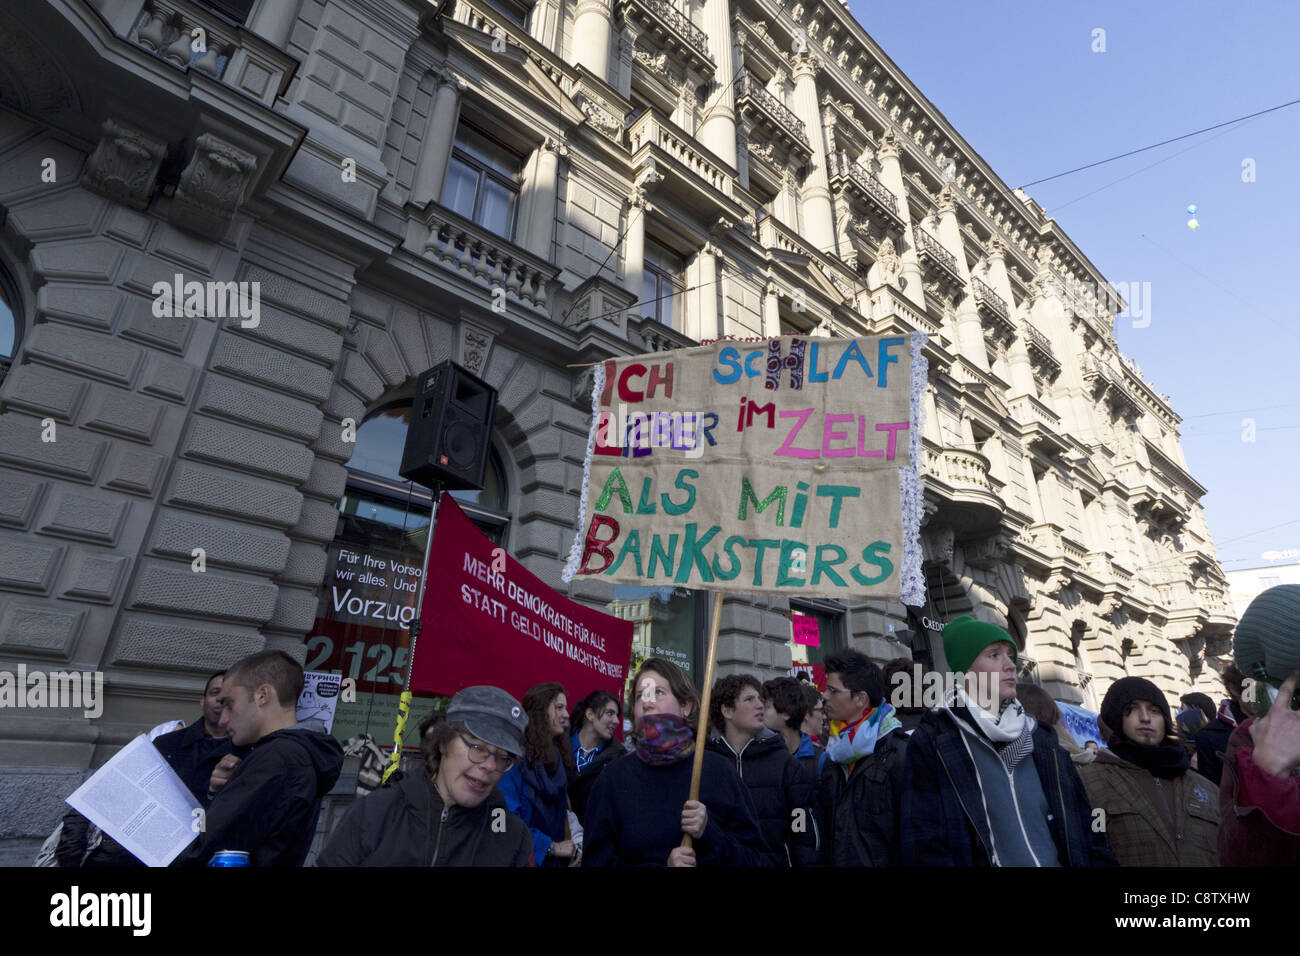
(319, 698)
(137, 799)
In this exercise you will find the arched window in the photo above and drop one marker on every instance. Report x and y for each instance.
(8, 323)
(372, 574)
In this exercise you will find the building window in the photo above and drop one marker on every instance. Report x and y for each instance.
(8, 324)
(667, 622)
(372, 574)
(824, 623)
(662, 286)
(236, 10)
(483, 181)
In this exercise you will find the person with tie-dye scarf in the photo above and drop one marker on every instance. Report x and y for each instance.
(864, 766)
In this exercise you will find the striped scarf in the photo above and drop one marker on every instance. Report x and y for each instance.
(1011, 732)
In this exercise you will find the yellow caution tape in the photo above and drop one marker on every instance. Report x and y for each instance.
(403, 710)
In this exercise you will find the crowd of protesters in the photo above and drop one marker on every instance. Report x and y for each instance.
(858, 775)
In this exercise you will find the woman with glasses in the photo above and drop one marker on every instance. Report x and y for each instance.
(594, 744)
(537, 787)
(639, 811)
(454, 815)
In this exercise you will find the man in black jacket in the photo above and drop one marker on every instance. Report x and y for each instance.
(195, 751)
(861, 786)
(270, 805)
(1212, 739)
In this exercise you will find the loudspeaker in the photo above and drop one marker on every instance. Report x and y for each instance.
(450, 432)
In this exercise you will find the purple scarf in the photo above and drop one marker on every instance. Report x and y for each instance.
(662, 739)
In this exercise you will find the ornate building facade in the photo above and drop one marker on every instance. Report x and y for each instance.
(526, 188)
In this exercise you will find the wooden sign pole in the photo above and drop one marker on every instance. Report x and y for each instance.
(702, 733)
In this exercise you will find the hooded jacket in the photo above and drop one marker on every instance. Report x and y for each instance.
(779, 788)
(1135, 829)
(1259, 814)
(944, 820)
(407, 824)
(861, 807)
(541, 799)
(271, 803)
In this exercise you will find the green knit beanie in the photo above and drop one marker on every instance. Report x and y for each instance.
(964, 638)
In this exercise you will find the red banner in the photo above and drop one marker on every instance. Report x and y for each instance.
(486, 619)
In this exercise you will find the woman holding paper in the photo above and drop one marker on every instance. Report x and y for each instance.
(639, 811)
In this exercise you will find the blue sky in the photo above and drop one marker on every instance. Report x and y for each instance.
(1020, 81)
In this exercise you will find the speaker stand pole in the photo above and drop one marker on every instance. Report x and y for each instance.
(404, 701)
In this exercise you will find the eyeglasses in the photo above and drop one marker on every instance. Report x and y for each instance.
(1262, 675)
(480, 754)
(835, 690)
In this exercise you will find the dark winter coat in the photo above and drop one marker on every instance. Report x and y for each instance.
(193, 754)
(634, 816)
(861, 808)
(1135, 828)
(943, 818)
(407, 824)
(271, 803)
(785, 799)
(1211, 741)
(580, 786)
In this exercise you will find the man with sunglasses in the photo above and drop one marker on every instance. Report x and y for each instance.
(453, 815)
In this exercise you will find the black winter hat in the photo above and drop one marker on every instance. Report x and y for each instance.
(1122, 693)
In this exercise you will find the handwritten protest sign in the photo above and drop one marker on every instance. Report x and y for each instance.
(806, 631)
(786, 465)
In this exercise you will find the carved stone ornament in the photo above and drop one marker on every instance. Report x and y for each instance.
(604, 121)
(125, 164)
(475, 344)
(212, 186)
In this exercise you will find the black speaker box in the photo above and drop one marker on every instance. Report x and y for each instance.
(449, 437)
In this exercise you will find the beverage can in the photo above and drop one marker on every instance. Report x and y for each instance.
(229, 858)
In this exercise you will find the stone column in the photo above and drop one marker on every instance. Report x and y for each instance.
(772, 310)
(1022, 369)
(786, 207)
(970, 330)
(891, 174)
(818, 219)
(704, 324)
(718, 126)
(545, 187)
(273, 20)
(634, 243)
(591, 34)
(439, 136)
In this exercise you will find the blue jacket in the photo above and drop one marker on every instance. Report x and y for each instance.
(541, 801)
(944, 822)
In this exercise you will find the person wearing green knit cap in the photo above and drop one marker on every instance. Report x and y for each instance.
(983, 783)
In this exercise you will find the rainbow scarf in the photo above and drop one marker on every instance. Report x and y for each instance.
(852, 741)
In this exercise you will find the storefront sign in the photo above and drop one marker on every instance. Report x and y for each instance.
(488, 620)
(779, 467)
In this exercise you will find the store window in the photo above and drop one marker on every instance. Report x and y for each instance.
(662, 286)
(667, 622)
(483, 181)
(373, 570)
(817, 630)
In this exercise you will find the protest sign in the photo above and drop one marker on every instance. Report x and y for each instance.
(488, 620)
(784, 466)
(805, 630)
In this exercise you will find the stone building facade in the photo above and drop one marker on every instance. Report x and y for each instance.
(526, 189)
